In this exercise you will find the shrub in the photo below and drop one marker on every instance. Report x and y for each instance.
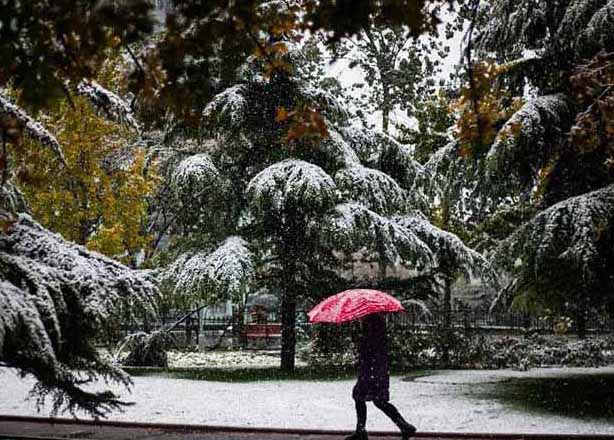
(409, 348)
(331, 346)
(148, 349)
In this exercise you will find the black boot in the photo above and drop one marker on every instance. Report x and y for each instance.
(358, 435)
(407, 429)
(361, 421)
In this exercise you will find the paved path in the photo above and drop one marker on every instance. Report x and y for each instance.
(35, 428)
(456, 401)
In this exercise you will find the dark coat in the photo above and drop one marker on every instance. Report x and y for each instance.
(373, 379)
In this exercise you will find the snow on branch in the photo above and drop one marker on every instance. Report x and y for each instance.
(326, 102)
(572, 238)
(514, 25)
(32, 128)
(397, 159)
(449, 249)
(366, 144)
(556, 28)
(439, 161)
(228, 108)
(523, 146)
(55, 299)
(104, 282)
(336, 150)
(12, 199)
(380, 150)
(373, 188)
(108, 104)
(456, 179)
(292, 185)
(193, 176)
(271, 7)
(598, 34)
(218, 276)
(353, 227)
(577, 15)
(437, 169)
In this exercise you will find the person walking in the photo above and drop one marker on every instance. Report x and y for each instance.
(373, 379)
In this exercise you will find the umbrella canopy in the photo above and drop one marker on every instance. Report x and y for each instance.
(353, 304)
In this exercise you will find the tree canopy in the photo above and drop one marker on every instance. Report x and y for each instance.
(554, 151)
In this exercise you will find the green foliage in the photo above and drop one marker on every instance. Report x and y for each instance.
(148, 350)
(398, 70)
(534, 121)
(43, 44)
(332, 346)
(99, 198)
(434, 120)
(425, 350)
(538, 351)
(411, 349)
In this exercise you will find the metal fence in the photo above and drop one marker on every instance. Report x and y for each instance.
(501, 323)
(197, 328)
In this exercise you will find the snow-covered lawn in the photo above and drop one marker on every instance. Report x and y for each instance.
(445, 401)
(224, 359)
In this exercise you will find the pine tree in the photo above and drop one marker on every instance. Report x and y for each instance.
(555, 151)
(55, 300)
(304, 201)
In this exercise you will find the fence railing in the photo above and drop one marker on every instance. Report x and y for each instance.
(193, 329)
(502, 322)
(198, 326)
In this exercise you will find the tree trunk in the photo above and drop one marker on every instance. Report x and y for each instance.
(447, 292)
(581, 321)
(447, 321)
(382, 270)
(288, 335)
(386, 109)
(290, 254)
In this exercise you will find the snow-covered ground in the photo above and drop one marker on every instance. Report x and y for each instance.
(446, 401)
(224, 359)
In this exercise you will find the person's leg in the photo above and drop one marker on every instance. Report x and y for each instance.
(407, 429)
(361, 415)
(361, 421)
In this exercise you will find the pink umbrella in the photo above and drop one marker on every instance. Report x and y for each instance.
(353, 304)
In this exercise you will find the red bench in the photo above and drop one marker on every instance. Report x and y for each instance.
(257, 331)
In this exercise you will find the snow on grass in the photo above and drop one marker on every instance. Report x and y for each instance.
(467, 377)
(446, 401)
(224, 359)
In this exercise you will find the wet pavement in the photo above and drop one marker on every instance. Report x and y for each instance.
(17, 428)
